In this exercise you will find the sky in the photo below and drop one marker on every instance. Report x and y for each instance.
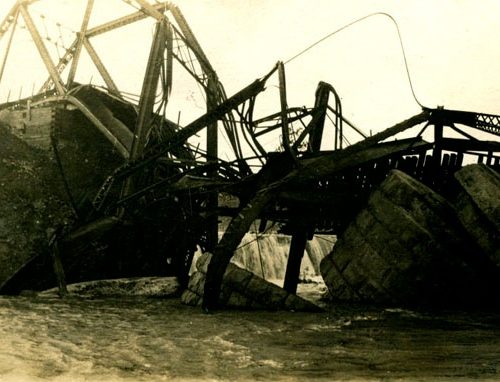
(451, 47)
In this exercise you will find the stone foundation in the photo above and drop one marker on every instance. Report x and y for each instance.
(406, 247)
(243, 289)
(478, 207)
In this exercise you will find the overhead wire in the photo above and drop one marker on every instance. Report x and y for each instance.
(259, 236)
(355, 22)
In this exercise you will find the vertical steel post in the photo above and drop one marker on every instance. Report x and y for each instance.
(438, 141)
(295, 255)
(148, 94)
(79, 44)
(320, 104)
(59, 270)
(212, 155)
(284, 114)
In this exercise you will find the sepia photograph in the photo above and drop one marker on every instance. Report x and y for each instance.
(249, 190)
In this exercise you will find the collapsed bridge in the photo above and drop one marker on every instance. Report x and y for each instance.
(158, 196)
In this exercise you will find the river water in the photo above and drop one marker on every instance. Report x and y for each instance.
(44, 338)
(148, 339)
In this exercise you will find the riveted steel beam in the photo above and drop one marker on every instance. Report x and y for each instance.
(79, 44)
(42, 50)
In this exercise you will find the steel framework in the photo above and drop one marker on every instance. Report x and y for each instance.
(302, 187)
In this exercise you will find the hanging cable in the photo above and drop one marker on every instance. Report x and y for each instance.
(355, 22)
(258, 236)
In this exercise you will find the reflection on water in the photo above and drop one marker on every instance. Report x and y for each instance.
(141, 339)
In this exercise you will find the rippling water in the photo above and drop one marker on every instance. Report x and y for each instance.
(141, 339)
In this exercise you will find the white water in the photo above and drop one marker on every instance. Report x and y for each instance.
(266, 256)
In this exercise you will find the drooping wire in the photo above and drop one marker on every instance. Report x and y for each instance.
(355, 22)
(325, 239)
(271, 226)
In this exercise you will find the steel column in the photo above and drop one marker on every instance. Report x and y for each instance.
(284, 113)
(320, 104)
(212, 155)
(295, 255)
(438, 141)
(79, 44)
(147, 100)
(149, 87)
(44, 54)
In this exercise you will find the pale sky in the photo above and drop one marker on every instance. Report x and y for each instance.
(451, 46)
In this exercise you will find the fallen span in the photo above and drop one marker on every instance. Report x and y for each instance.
(139, 198)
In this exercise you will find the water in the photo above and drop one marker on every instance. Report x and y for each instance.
(144, 339)
(158, 339)
(266, 256)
